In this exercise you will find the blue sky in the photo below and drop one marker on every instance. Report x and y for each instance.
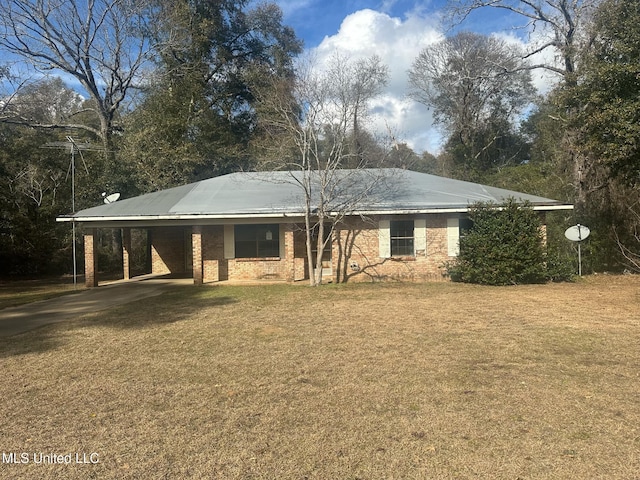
(313, 20)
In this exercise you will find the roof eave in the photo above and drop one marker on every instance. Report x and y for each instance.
(419, 211)
(245, 216)
(134, 218)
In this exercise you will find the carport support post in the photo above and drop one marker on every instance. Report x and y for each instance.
(196, 242)
(126, 253)
(289, 243)
(91, 258)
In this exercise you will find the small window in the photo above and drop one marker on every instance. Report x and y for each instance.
(257, 241)
(466, 224)
(402, 238)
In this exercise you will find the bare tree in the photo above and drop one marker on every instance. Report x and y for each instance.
(476, 86)
(467, 78)
(47, 101)
(365, 79)
(10, 87)
(312, 130)
(561, 25)
(96, 42)
(26, 170)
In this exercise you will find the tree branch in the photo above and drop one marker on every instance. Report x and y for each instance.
(51, 126)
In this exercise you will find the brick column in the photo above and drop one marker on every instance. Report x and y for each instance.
(126, 253)
(289, 248)
(198, 267)
(91, 258)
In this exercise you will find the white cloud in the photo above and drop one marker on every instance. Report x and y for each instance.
(397, 42)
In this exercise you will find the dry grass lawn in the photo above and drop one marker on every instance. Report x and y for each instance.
(19, 292)
(376, 381)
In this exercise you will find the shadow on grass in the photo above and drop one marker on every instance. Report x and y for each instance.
(177, 305)
(174, 304)
(32, 342)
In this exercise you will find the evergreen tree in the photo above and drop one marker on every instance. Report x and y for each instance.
(609, 90)
(198, 114)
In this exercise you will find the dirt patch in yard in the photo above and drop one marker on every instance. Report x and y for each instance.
(358, 381)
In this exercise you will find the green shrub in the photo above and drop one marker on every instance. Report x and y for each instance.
(560, 268)
(503, 247)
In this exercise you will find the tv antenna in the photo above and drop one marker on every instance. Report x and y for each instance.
(73, 147)
(578, 233)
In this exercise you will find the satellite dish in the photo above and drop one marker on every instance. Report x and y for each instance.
(110, 198)
(577, 233)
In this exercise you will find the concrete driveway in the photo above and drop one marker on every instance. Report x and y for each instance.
(23, 318)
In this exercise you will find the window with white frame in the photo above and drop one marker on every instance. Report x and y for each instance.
(457, 227)
(402, 238)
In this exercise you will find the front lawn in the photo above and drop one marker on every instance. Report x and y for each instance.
(18, 292)
(375, 381)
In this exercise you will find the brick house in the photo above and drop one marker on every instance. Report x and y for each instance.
(250, 226)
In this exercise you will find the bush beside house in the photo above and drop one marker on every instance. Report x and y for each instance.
(504, 246)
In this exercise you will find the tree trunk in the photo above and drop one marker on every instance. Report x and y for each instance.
(319, 252)
(307, 225)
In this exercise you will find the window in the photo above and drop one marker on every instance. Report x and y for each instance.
(465, 226)
(457, 228)
(326, 252)
(257, 241)
(402, 238)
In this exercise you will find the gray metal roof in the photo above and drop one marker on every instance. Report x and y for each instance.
(279, 194)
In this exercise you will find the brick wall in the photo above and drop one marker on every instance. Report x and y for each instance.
(91, 258)
(215, 267)
(356, 253)
(126, 253)
(301, 267)
(267, 268)
(168, 254)
(256, 269)
(196, 248)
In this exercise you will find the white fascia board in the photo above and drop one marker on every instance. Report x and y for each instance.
(218, 219)
(153, 218)
(419, 211)
(549, 208)
(416, 211)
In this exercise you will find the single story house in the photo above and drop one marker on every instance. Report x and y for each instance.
(395, 224)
